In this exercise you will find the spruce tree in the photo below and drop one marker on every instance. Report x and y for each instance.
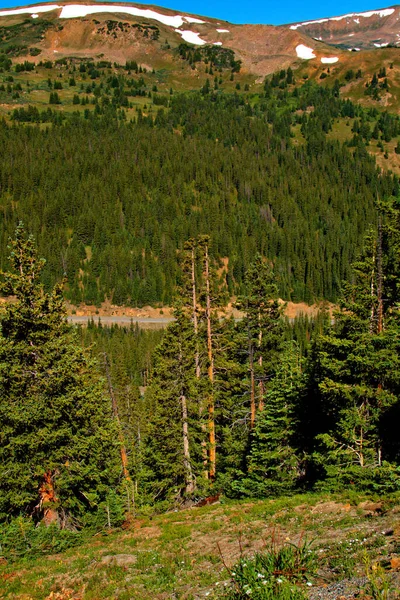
(273, 466)
(172, 454)
(58, 450)
(262, 326)
(358, 373)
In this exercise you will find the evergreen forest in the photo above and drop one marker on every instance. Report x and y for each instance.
(206, 199)
(111, 202)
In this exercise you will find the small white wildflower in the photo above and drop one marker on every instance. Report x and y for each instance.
(309, 583)
(279, 581)
(260, 576)
(233, 573)
(248, 592)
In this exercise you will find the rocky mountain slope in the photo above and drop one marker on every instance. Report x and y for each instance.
(153, 37)
(131, 32)
(356, 31)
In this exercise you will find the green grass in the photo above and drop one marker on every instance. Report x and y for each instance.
(177, 555)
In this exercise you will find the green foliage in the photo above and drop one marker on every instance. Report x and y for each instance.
(273, 464)
(167, 473)
(58, 447)
(379, 585)
(303, 219)
(21, 537)
(221, 58)
(278, 573)
(358, 367)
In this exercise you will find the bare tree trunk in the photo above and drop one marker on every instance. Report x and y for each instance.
(211, 404)
(380, 278)
(372, 317)
(124, 456)
(252, 388)
(197, 353)
(189, 479)
(260, 362)
(195, 319)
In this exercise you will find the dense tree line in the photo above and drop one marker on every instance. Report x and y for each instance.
(256, 407)
(283, 419)
(110, 203)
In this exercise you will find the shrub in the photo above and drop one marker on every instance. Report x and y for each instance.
(279, 573)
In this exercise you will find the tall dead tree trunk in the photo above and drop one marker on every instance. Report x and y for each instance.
(380, 278)
(212, 458)
(197, 352)
(252, 386)
(190, 484)
(260, 362)
(123, 453)
(189, 478)
(194, 314)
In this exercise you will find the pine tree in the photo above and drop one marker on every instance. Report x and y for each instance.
(58, 449)
(273, 466)
(172, 449)
(359, 364)
(263, 328)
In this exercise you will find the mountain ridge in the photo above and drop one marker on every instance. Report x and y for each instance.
(262, 49)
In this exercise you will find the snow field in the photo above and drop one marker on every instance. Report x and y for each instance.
(381, 13)
(73, 11)
(191, 37)
(329, 61)
(28, 9)
(304, 52)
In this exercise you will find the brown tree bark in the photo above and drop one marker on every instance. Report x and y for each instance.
(48, 499)
(212, 457)
(123, 453)
(252, 388)
(380, 278)
(197, 353)
(189, 478)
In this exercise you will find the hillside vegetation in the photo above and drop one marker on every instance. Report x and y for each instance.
(113, 217)
(192, 553)
(187, 183)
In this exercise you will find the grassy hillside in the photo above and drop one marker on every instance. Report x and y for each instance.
(185, 554)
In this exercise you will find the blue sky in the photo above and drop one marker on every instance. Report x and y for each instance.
(257, 11)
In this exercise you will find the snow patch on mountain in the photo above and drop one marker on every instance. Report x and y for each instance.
(28, 9)
(73, 11)
(305, 52)
(223, 30)
(193, 20)
(386, 12)
(191, 37)
(329, 60)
